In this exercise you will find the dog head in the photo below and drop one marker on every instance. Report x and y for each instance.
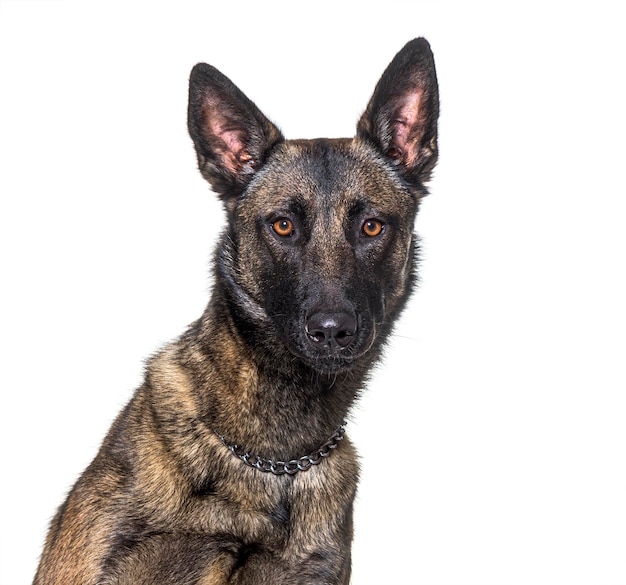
(319, 252)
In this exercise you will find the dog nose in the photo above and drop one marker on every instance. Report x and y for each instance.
(331, 329)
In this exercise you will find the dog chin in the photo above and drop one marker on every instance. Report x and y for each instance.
(331, 363)
(332, 366)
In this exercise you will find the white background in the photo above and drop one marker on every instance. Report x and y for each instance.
(493, 438)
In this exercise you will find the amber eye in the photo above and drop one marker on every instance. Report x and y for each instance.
(372, 228)
(283, 227)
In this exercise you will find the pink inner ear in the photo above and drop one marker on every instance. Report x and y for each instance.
(230, 144)
(405, 130)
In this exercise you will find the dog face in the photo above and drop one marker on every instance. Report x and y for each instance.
(328, 246)
(319, 252)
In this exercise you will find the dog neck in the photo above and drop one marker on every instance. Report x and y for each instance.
(291, 467)
(278, 409)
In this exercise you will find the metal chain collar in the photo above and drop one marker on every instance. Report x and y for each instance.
(287, 467)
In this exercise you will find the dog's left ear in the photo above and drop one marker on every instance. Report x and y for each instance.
(401, 118)
(231, 135)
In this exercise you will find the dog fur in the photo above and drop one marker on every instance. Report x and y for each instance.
(315, 263)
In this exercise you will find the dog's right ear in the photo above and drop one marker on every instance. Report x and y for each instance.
(231, 136)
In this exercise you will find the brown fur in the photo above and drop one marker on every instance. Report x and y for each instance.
(165, 501)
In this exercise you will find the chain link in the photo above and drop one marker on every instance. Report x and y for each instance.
(287, 467)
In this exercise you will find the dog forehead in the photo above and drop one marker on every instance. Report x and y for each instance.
(328, 174)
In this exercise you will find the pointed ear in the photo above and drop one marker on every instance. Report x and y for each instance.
(401, 118)
(231, 136)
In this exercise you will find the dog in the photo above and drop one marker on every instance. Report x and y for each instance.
(230, 464)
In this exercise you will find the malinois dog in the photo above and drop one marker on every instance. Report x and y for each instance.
(230, 464)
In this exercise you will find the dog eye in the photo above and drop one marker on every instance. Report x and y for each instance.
(372, 228)
(283, 227)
